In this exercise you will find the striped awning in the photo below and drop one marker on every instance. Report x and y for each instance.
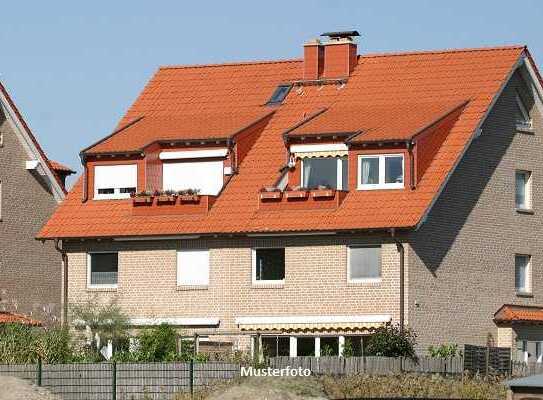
(315, 154)
(313, 323)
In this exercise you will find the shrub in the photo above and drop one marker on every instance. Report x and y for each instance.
(348, 348)
(388, 341)
(444, 351)
(158, 344)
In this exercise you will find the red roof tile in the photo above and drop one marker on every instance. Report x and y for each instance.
(378, 85)
(509, 313)
(56, 166)
(12, 318)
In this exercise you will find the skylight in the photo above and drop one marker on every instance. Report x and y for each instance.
(279, 94)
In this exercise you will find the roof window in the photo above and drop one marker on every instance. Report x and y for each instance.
(279, 94)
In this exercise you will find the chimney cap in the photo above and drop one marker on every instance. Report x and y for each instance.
(341, 34)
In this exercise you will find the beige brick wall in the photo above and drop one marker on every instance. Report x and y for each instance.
(462, 259)
(29, 270)
(315, 279)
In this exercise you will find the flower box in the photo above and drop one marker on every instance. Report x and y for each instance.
(189, 198)
(142, 200)
(166, 199)
(323, 193)
(276, 195)
(296, 194)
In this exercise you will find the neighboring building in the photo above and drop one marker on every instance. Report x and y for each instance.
(31, 187)
(530, 387)
(423, 202)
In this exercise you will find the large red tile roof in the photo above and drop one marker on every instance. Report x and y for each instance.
(381, 87)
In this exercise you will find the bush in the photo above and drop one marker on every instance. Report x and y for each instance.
(24, 344)
(388, 341)
(158, 344)
(444, 351)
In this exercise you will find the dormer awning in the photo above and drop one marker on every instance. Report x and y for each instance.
(319, 150)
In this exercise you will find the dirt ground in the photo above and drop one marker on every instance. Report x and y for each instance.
(272, 388)
(18, 389)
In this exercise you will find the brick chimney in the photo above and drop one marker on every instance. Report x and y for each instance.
(335, 58)
(313, 60)
(340, 56)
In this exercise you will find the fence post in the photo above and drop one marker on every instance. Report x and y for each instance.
(487, 360)
(191, 377)
(114, 381)
(38, 372)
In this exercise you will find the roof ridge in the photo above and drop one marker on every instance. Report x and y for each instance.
(232, 64)
(443, 51)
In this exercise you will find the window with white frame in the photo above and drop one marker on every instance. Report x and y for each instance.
(523, 273)
(523, 190)
(364, 263)
(523, 116)
(268, 265)
(115, 181)
(193, 267)
(275, 346)
(380, 171)
(205, 176)
(102, 269)
(328, 172)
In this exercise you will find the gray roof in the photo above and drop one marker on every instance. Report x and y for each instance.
(529, 381)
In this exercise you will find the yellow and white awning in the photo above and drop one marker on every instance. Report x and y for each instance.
(313, 323)
(319, 150)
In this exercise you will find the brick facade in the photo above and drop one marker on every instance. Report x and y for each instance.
(30, 271)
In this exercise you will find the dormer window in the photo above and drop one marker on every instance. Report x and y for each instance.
(279, 94)
(380, 171)
(115, 181)
(523, 116)
(330, 172)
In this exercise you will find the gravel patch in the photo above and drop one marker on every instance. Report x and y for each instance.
(17, 389)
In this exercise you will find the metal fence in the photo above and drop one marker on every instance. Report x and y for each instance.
(370, 365)
(119, 381)
(487, 360)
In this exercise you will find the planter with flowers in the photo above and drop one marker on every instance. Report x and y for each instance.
(323, 192)
(166, 197)
(189, 195)
(143, 198)
(270, 193)
(297, 192)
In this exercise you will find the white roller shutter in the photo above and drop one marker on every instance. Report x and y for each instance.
(115, 177)
(206, 176)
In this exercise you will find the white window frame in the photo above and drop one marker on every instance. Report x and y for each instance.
(528, 189)
(116, 195)
(179, 281)
(527, 121)
(528, 289)
(363, 280)
(339, 171)
(253, 267)
(381, 184)
(100, 286)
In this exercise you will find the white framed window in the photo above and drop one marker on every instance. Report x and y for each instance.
(364, 264)
(102, 269)
(331, 172)
(268, 265)
(523, 116)
(523, 190)
(206, 176)
(380, 171)
(193, 267)
(523, 266)
(115, 181)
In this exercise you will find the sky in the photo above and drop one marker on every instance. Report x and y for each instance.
(73, 68)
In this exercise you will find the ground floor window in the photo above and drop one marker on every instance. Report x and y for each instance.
(274, 346)
(353, 346)
(329, 346)
(305, 346)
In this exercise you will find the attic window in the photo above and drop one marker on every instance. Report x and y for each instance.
(279, 94)
(523, 117)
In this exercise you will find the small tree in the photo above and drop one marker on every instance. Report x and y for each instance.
(388, 341)
(107, 321)
(444, 351)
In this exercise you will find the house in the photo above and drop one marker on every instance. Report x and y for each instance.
(319, 198)
(31, 187)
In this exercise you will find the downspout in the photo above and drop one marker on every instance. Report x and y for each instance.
(412, 184)
(65, 281)
(401, 252)
(85, 178)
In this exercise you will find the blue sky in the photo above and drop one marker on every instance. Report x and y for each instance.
(73, 68)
